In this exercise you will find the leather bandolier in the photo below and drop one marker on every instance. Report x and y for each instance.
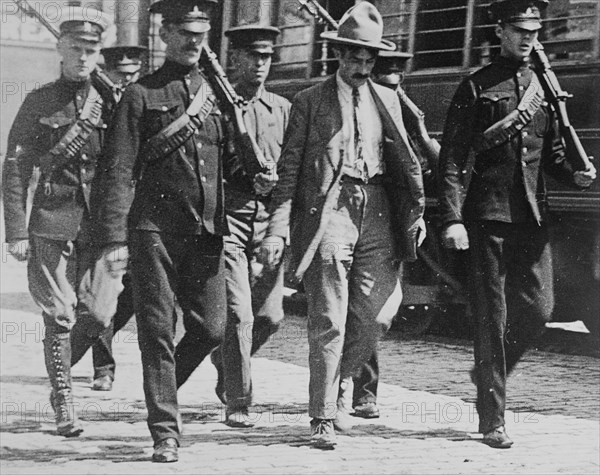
(174, 135)
(70, 145)
(506, 128)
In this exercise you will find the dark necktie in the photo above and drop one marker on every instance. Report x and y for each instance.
(359, 161)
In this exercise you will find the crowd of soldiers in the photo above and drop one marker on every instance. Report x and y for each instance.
(147, 201)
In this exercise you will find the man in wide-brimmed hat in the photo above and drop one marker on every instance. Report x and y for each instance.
(350, 189)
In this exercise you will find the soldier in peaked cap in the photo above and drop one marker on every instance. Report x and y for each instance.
(57, 239)
(389, 68)
(123, 63)
(387, 72)
(255, 292)
(350, 225)
(500, 134)
(173, 221)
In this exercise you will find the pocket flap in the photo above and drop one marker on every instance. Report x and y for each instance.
(496, 96)
(56, 121)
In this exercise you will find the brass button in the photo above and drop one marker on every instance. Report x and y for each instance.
(202, 162)
(524, 149)
(203, 179)
(165, 108)
(525, 134)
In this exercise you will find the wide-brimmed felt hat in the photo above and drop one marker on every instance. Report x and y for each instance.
(124, 58)
(253, 38)
(524, 14)
(191, 15)
(86, 24)
(361, 25)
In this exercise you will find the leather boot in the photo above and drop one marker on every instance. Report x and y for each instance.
(57, 354)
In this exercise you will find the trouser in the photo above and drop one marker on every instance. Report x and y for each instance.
(352, 289)
(365, 384)
(254, 299)
(163, 267)
(104, 362)
(64, 282)
(512, 299)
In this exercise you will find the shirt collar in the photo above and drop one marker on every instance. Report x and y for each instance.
(346, 90)
(511, 64)
(261, 95)
(174, 69)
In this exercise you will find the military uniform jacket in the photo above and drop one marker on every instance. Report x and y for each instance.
(312, 158)
(181, 192)
(61, 209)
(504, 183)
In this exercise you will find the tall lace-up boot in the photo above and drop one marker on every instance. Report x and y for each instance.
(57, 353)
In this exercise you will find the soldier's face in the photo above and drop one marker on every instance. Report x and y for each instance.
(79, 58)
(183, 46)
(121, 78)
(355, 65)
(252, 67)
(515, 43)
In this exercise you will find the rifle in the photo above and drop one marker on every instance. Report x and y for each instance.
(255, 161)
(98, 73)
(558, 98)
(314, 8)
(428, 147)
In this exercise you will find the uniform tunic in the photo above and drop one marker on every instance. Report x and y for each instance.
(171, 212)
(500, 196)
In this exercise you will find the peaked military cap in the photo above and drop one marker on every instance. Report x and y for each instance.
(192, 15)
(253, 37)
(124, 58)
(389, 62)
(87, 24)
(525, 14)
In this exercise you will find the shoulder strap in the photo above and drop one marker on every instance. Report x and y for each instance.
(70, 145)
(509, 126)
(174, 135)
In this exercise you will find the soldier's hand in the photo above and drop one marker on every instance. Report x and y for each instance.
(585, 178)
(264, 182)
(116, 257)
(19, 249)
(455, 237)
(271, 251)
(421, 232)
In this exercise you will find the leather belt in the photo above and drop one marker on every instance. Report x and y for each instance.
(374, 180)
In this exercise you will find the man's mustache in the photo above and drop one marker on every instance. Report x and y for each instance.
(360, 76)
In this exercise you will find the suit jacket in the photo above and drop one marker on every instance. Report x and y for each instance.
(310, 170)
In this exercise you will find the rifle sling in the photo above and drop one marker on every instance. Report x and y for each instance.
(70, 145)
(174, 135)
(506, 128)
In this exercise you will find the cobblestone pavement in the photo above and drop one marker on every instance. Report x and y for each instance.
(427, 424)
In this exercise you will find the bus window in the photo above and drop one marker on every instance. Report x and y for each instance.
(572, 30)
(440, 34)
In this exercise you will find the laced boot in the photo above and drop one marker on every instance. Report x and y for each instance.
(57, 353)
